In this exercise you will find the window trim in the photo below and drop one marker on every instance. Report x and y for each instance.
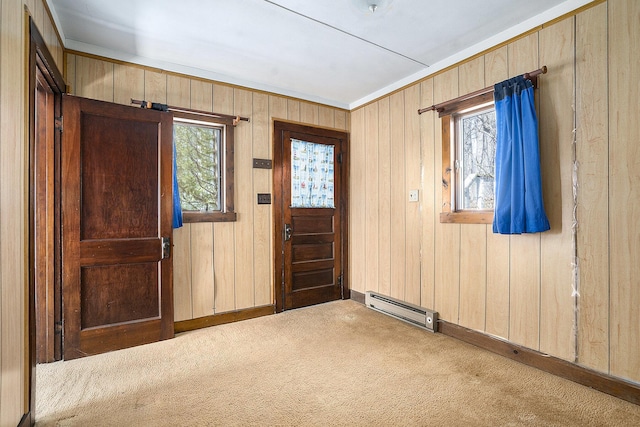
(449, 143)
(227, 174)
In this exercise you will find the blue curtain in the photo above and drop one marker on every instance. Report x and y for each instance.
(177, 208)
(518, 200)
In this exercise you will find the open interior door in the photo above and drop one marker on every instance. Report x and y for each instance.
(116, 226)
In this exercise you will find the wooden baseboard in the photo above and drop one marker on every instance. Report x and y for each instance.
(357, 296)
(596, 380)
(562, 368)
(26, 420)
(222, 318)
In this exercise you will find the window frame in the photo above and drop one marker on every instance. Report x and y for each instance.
(227, 175)
(447, 115)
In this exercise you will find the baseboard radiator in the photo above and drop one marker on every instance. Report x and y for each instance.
(404, 311)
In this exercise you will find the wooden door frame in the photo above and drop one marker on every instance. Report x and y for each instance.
(279, 127)
(41, 59)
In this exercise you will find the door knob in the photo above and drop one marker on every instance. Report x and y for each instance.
(288, 231)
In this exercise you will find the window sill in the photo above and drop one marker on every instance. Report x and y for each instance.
(190, 217)
(467, 217)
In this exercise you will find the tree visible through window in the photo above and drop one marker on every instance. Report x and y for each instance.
(204, 160)
(198, 159)
(475, 162)
(468, 160)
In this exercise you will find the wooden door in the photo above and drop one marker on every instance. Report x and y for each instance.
(116, 210)
(310, 230)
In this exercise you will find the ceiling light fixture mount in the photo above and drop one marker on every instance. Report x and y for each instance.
(377, 8)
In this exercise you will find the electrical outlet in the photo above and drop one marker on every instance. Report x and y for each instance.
(413, 195)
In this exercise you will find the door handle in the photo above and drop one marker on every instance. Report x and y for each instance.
(166, 247)
(288, 231)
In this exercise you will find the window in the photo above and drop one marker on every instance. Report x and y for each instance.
(204, 157)
(468, 160)
(312, 177)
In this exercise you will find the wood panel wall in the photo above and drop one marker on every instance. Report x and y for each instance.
(519, 288)
(522, 288)
(624, 188)
(226, 266)
(14, 364)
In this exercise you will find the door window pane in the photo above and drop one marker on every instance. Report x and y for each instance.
(312, 176)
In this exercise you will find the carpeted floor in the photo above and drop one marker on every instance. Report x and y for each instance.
(328, 365)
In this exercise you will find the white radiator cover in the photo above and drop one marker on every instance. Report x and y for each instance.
(410, 313)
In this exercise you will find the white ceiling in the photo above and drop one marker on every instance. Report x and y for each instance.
(335, 52)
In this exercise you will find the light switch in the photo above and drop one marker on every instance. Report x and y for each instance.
(413, 195)
(264, 198)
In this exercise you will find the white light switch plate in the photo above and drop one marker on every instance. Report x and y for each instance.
(413, 195)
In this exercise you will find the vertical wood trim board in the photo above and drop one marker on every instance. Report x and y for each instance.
(412, 182)
(357, 220)
(224, 246)
(262, 214)
(429, 213)
(556, 113)
(245, 202)
(371, 199)
(524, 322)
(624, 191)
(398, 192)
(386, 212)
(447, 236)
(13, 255)
(473, 253)
(497, 303)
(593, 201)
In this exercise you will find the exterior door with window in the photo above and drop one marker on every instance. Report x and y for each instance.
(116, 225)
(310, 207)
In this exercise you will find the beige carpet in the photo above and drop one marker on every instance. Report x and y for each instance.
(333, 364)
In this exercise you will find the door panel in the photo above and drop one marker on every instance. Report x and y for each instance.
(313, 254)
(310, 246)
(102, 287)
(116, 199)
(119, 188)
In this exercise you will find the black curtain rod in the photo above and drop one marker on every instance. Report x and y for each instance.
(532, 75)
(165, 107)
